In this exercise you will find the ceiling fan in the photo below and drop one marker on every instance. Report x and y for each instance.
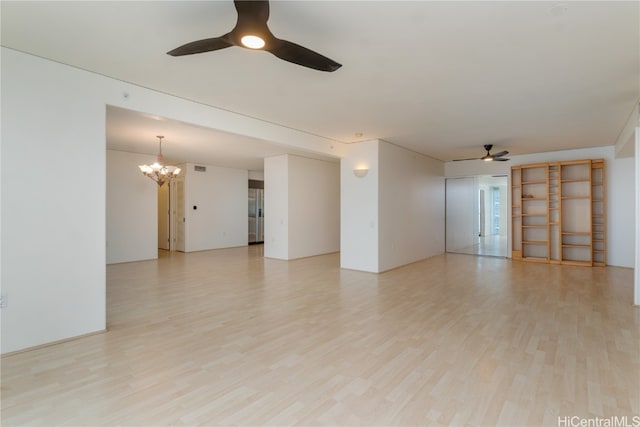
(251, 32)
(498, 157)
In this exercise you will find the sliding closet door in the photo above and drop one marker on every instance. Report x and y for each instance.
(461, 215)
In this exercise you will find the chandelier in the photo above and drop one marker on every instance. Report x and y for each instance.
(158, 171)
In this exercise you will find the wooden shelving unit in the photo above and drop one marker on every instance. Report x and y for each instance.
(516, 212)
(534, 200)
(575, 223)
(558, 212)
(555, 248)
(598, 214)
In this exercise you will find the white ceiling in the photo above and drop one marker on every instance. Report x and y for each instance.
(440, 78)
(185, 143)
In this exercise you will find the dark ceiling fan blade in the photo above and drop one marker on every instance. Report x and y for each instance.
(500, 154)
(257, 11)
(200, 46)
(462, 160)
(297, 54)
(500, 159)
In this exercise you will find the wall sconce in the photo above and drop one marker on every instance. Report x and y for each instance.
(361, 173)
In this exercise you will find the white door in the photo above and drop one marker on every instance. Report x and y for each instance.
(163, 217)
(180, 216)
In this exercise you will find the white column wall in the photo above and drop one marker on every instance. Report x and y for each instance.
(276, 207)
(395, 214)
(132, 209)
(314, 207)
(411, 207)
(221, 218)
(359, 208)
(302, 207)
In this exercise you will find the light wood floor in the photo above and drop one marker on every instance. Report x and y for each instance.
(227, 337)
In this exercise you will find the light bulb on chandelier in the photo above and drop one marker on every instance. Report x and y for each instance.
(158, 171)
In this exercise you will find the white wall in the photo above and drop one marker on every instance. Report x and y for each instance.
(314, 207)
(359, 208)
(132, 209)
(636, 291)
(302, 207)
(620, 194)
(53, 202)
(620, 212)
(276, 207)
(411, 207)
(220, 220)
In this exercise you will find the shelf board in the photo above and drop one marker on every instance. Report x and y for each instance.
(554, 223)
(576, 180)
(575, 197)
(535, 242)
(534, 226)
(526, 199)
(577, 246)
(539, 215)
(577, 233)
(576, 262)
(535, 259)
(598, 250)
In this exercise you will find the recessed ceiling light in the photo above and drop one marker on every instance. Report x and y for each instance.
(358, 134)
(558, 10)
(252, 42)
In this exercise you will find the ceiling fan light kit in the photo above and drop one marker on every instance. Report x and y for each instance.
(252, 42)
(251, 32)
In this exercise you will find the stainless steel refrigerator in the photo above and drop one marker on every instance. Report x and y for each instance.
(256, 215)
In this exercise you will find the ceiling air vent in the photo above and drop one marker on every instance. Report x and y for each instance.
(199, 168)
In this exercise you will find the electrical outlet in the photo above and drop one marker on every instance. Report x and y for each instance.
(3, 300)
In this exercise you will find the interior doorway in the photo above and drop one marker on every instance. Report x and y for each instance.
(476, 215)
(256, 212)
(170, 216)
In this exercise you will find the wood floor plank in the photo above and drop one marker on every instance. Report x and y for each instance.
(227, 337)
